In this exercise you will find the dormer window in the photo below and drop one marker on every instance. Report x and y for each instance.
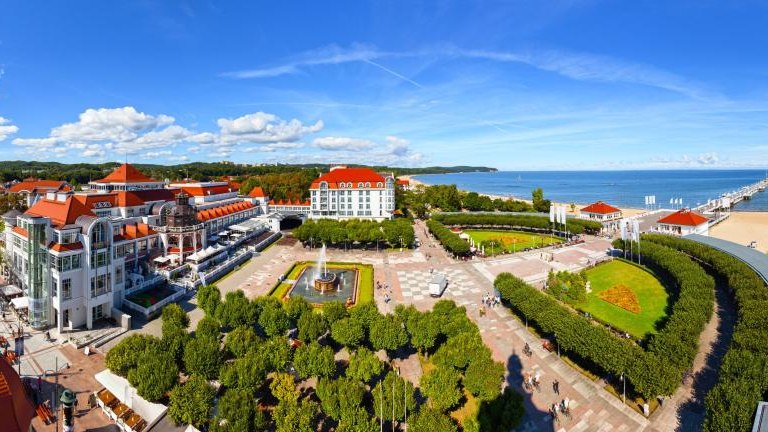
(360, 185)
(379, 185)
(367, 185)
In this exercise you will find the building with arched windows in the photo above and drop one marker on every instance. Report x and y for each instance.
(353, 193)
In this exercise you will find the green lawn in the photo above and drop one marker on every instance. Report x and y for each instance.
(651, 296)
(513, 241)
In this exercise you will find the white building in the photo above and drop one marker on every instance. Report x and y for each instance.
(347, 193)
(75, 255)
(683, 222)
(601, 212)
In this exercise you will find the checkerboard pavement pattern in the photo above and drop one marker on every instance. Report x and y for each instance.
(414, 284)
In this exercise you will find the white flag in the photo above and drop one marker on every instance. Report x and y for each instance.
(552, 213)
(653, 199)
(636, 230)
(679, 201)
(623, 225)
(562, 215)
(671, 200)
(646, 200)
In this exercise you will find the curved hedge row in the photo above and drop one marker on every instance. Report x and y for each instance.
(649, 374)
(575, 226)
(652, 372)
(678, 340)
(743, 377)
(448, 238)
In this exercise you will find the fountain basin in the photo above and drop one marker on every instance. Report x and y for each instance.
(336, 284)
(326, 281)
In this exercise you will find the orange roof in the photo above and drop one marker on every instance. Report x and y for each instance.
(403, 182)
(600, 208)
(126, 173)
(59, 212)
(214, 213)
(135, 231)
(257, 192)
(156, 194)
(58, 247)
(16, 410)
(33, 185)
(349, 175)
(21, 231)
(207, 190)
(684, 217)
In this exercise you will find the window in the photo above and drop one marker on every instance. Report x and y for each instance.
(66, 289)
(100, 259)
(119, 274)
(100, 285)
(76, 261)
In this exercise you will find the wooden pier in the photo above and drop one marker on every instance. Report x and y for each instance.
(719, 209)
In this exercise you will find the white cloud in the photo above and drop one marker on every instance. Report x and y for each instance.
(109, 124)
(6, 128)
(35, 144)
(156, 154)
(708, 158)
(261, 127)
(268, 148)
(178, 158)
(94, 150)
(342, 143)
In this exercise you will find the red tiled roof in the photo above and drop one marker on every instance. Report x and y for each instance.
(21, 231)
(60, 212)
(31, 185)
(16, 410)
(93, 200)
(126, 173)
(684, 217)
(600, 208)
(205, 215)
(156, 194)
(58, 247)
(349, 175)
(207, 190)
(135, 231)
(257, 192)
(403, 182)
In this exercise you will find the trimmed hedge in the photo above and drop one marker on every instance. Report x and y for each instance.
(743, 377)
(491, 220)
(448, 238)
(655, 371)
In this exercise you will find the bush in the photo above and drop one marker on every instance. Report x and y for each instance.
(202, 357)
(742, 380)
(364, 365)
(192, 402)
(452, 242)
(208, 298)
(433, 420)
(240, 340)
(387, 333)
(311, 326)
(349, 332)
(155, 374)
(125, 355)
(208, 328)
(314, 360)
(340, 399)
(511, 221)
(441, 386)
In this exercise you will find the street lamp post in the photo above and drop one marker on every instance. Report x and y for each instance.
(624, 392)
(558, 345)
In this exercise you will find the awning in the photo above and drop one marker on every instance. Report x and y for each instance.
(20, 303)
(172, 257)
(118, 386)
(224, 233)
(162, 259)
(10, 290)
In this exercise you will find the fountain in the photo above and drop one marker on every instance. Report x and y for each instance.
(324, 280)
(320, 283)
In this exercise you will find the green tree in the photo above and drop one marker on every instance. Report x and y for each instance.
(483, 378)
(174, 340)
(441, 386)
(296, 306)
(155, 374)
(314, 360)
(208, 327)
(383, 397)
(125, 355)
(297, 416)
(283, 387)
(208, 298)
(461, 350)
(174, 316)
(502, 413)
(275, 353)
(364, 365)
(238, 411)
(236, 310)
(387, 333)
(247, 372)
(202, 357)
(341, 398)
(334, 311)
(432, 420)
(311, 326)
(540, 204)
(240, 340)
(191, 403)
(424, 330)
(367, 313)
(358, 421)
(349, 332)
(273, 320)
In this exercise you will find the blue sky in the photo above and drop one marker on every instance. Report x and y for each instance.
(508, 84)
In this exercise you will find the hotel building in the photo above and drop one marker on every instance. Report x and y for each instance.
(347, 193)
(76, 254)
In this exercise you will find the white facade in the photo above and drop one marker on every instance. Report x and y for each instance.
(683, 230)
(353, 194)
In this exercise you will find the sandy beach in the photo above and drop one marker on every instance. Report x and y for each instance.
(744, 227)
(627, 212)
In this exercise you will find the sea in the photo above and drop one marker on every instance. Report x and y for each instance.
(620, 188)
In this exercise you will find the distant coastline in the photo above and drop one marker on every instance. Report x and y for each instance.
(624, 189)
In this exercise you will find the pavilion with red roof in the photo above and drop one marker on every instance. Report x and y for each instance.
(607, 214)
(683, 222)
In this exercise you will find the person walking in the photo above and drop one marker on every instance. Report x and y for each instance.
(556, 387)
